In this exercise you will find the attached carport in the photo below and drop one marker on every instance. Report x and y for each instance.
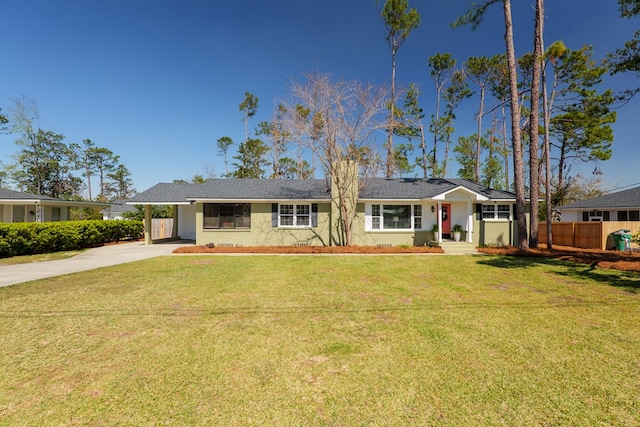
(171, 194)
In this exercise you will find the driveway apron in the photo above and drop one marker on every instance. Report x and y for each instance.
(103, 256)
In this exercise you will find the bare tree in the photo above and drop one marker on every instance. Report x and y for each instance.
(335, 121)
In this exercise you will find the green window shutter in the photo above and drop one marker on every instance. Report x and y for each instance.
(314, 214)
(515, 213)
(479, 211)
(274, 214)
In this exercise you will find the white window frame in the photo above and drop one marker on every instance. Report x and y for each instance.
(494, 213)
(598, 216)
(417, 216)
(300, 215)
(374, 217)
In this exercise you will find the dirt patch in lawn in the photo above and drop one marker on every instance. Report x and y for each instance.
(627, 261)
(373, 250)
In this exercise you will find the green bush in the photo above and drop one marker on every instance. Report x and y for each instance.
(34, 238)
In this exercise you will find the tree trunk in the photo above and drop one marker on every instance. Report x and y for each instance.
(561, 163)
(423, 144)
(506, 148)
(547, 161)
(88, 173)
(534, 173)
(390, 166)
(547, 156)
(518, 161)
(479, 139)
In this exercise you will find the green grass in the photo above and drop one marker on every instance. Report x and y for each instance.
(318, 340)
(25, 259)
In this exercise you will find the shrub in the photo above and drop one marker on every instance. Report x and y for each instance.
(33, 238)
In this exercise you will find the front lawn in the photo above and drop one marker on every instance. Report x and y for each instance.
(323, 340)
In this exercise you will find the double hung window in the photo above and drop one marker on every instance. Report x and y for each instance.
(295, 215)
(496, 211)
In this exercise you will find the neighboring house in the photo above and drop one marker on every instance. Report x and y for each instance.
(274, 212)
(116, 209)
(619, 206)
(16, 206)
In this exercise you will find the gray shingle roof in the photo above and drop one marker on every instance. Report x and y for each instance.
(118, 207)
(163, 193)
(6, 194)
(418, 188)
(483, 189)
(622, 199)
(236, 189)
(12, 195)
(297, 189)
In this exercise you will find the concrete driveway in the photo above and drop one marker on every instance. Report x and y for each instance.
(103, 256)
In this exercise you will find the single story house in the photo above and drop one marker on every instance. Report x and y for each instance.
(17, 206)
(287, 212)
(619, 206)
(116, 209)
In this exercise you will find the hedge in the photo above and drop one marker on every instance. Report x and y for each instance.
(28, 238)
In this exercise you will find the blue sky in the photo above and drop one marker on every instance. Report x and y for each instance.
(158, 82)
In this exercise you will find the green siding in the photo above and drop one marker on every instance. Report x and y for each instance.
(262, 233)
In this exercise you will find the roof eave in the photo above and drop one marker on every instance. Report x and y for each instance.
(478, 197)
(235, 200)
(160, 203)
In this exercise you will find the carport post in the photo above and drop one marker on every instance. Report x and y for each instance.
(174, 232)
(147, 225)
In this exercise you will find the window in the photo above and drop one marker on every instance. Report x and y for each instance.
(496, 211)
(628, 215)
(375, 217)
(488, 211)
(417, 217)
(596, 216)
(295, 215)
(55, 214)
(18, 214)
(227, 215)
(504, 211)
(394, 217)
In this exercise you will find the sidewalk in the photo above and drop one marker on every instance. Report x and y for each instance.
(103, 256)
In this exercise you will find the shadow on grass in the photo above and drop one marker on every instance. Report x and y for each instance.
(623, 279)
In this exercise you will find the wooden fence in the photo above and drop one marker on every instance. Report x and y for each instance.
(585, 235)
(161, 228)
